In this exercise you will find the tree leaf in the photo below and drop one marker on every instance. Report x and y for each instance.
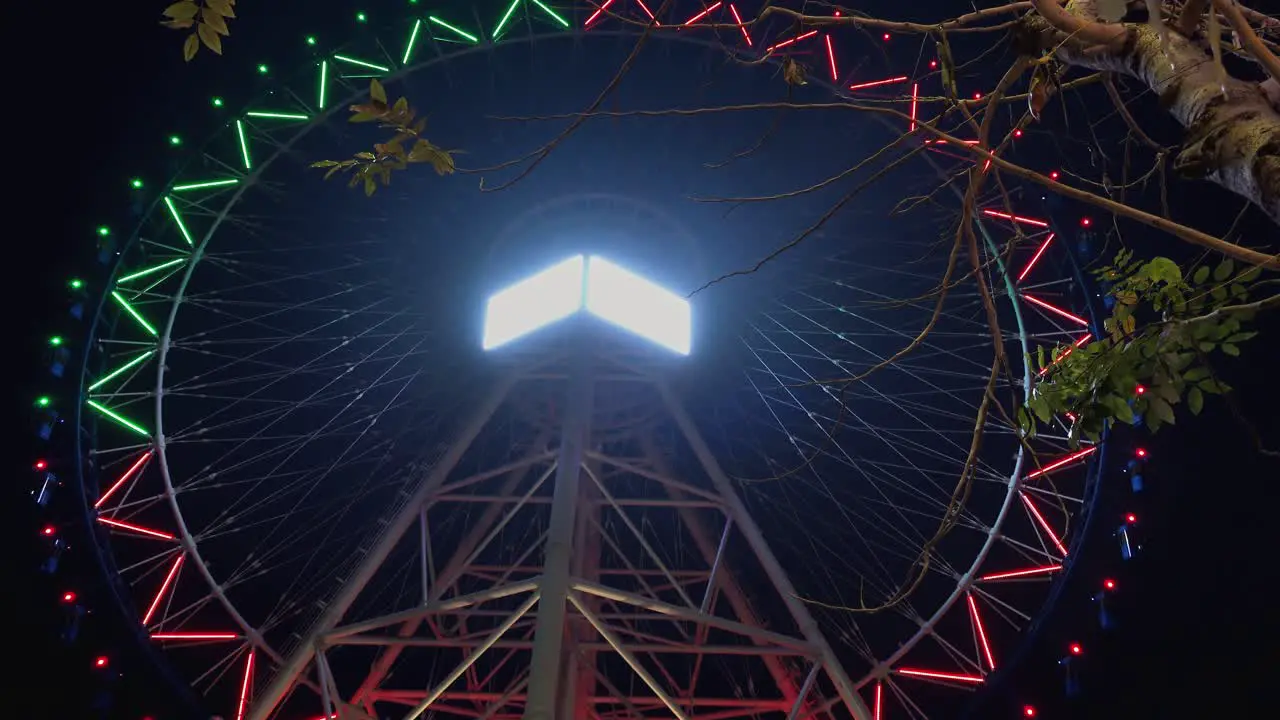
(1158, 408)
(1223, 271)
(1232, 350)
(1241, 337)
(221, 7)
(178, 24)
(1195, 400)
(1250, 274)
(190, 47)
(1162, 268)
(210, 37)
(323, 163)
(369, 185)
(377, 92)
(184, 10)
(217, 22)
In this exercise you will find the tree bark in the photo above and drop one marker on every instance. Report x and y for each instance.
(1232, 131)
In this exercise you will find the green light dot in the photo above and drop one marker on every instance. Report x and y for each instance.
(76, 283)
(43, 401)
(361, 17)
(175, 140)
(136, 183)
(217, 102)
(263, 69)
(55, 341)
(311, 39)
(103, 230)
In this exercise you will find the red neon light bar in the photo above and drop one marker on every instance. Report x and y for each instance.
(1029, 572)
(648, 12)
(164, 588)
(1044, 524)
(944, 142)
(738, 19)
(915, 98)
(599, 11)
(879, 699)
(1015, 218)
(1035, 258)
(982, 632)
(127, 474)
(831, 58)
(877, 83)
(244, 686)
(1055, 309)
(1084, 339)
(958, 677)
(701, 15)
(136, 528)
(1079, 454)
(194, 636)
(792, 41)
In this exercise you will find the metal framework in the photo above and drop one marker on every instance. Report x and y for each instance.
(594, 582)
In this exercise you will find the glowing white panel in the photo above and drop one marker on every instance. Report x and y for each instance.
(533, 303)
(637, 305)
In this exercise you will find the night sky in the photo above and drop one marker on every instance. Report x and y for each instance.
(96, 92)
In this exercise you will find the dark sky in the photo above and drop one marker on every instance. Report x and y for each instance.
(95, 89)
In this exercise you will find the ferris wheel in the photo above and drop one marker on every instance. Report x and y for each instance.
(320, 499)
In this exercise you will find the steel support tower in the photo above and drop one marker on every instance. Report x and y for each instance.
(632, 583)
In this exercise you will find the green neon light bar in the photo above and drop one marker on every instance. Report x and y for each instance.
(118, 418)
(361, 63)
(552, 13)
(413, 39)
(457, 31)
(151, 270)
(122, 369)
(136, 315)
(244, 145)
(272, 115)
(205, 184)
(324, 83)
(168, 202)
(505, 17)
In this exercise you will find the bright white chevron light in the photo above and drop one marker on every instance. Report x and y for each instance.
(638, 305)
(603, 289)
(533, 303)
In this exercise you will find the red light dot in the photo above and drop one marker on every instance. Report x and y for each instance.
(1141, 453)
(1017, 133)
(1076, 649)
(41, 465)
(1140, 389)
(1085, 222)
(886, 37)
(1053, 175)
(68, 597)
(977, 96)
(1109, 584)
(1131, 518)
(933, 64)
(1028, 711)
(48, 530)
(101, 661)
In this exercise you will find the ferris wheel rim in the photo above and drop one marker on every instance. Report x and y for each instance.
(189, 542)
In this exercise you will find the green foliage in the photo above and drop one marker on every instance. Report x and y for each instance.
(209, 20)
(406, 146)
(1160, 337)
